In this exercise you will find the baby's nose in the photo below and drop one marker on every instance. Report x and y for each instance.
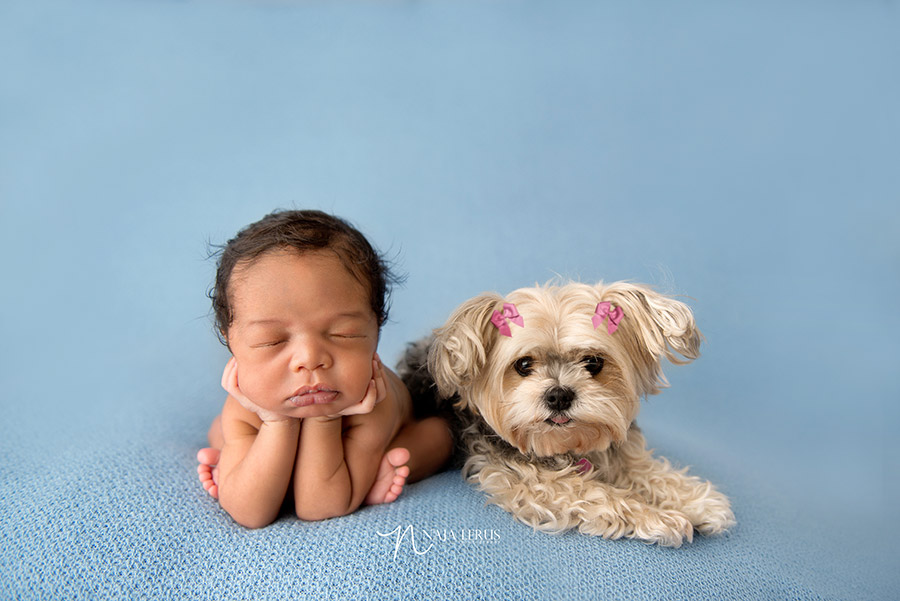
(309, 355)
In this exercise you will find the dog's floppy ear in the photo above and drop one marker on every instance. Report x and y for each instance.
(654, 326)
(461, 346)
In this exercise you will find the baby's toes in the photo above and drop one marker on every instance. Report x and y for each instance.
(208, 476)
(208, 456)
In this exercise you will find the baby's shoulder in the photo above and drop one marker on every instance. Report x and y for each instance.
(237, 419)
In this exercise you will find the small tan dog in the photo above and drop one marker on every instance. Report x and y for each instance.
(547, 383)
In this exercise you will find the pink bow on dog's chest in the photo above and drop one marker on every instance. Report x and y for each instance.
(502, 319)
(607, 310)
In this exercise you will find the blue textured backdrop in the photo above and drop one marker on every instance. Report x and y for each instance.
(743, 154)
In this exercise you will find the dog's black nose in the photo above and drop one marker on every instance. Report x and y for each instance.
(559, 398)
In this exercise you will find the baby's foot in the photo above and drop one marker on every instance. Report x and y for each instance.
(391, 477)
(207, 470)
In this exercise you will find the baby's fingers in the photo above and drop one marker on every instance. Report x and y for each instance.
(366, 404)
(229, 376)
(378, 379)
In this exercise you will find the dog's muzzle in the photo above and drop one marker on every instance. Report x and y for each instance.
(559, 398)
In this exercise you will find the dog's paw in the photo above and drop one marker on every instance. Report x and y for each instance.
(667, 528)
(711, 513)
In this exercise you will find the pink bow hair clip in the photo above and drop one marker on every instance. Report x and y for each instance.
(607, 310)
(502, 319)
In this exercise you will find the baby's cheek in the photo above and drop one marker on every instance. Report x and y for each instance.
(360, 384)
(252, 385)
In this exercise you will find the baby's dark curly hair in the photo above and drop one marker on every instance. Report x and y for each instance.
(302, 231)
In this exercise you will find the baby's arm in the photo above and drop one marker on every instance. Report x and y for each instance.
(256, 464)
(257, 458)
(338, 459)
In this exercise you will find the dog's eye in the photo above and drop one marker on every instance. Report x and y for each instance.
(524, 366)
(593, 364)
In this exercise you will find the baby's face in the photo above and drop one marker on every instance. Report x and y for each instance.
(303, 335)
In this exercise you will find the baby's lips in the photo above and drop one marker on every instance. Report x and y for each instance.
(314, 397)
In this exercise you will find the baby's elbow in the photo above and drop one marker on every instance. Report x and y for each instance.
(252, 523)
(248, 517)
(312, 513)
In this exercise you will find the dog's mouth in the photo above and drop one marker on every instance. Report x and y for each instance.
(559, 419)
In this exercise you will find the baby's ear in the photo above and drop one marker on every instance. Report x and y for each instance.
(461, 346)
(654, 326)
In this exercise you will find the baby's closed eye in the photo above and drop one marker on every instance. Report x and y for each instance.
(268, 343)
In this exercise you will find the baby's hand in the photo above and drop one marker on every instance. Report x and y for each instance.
(375, 393)
(230, 384)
